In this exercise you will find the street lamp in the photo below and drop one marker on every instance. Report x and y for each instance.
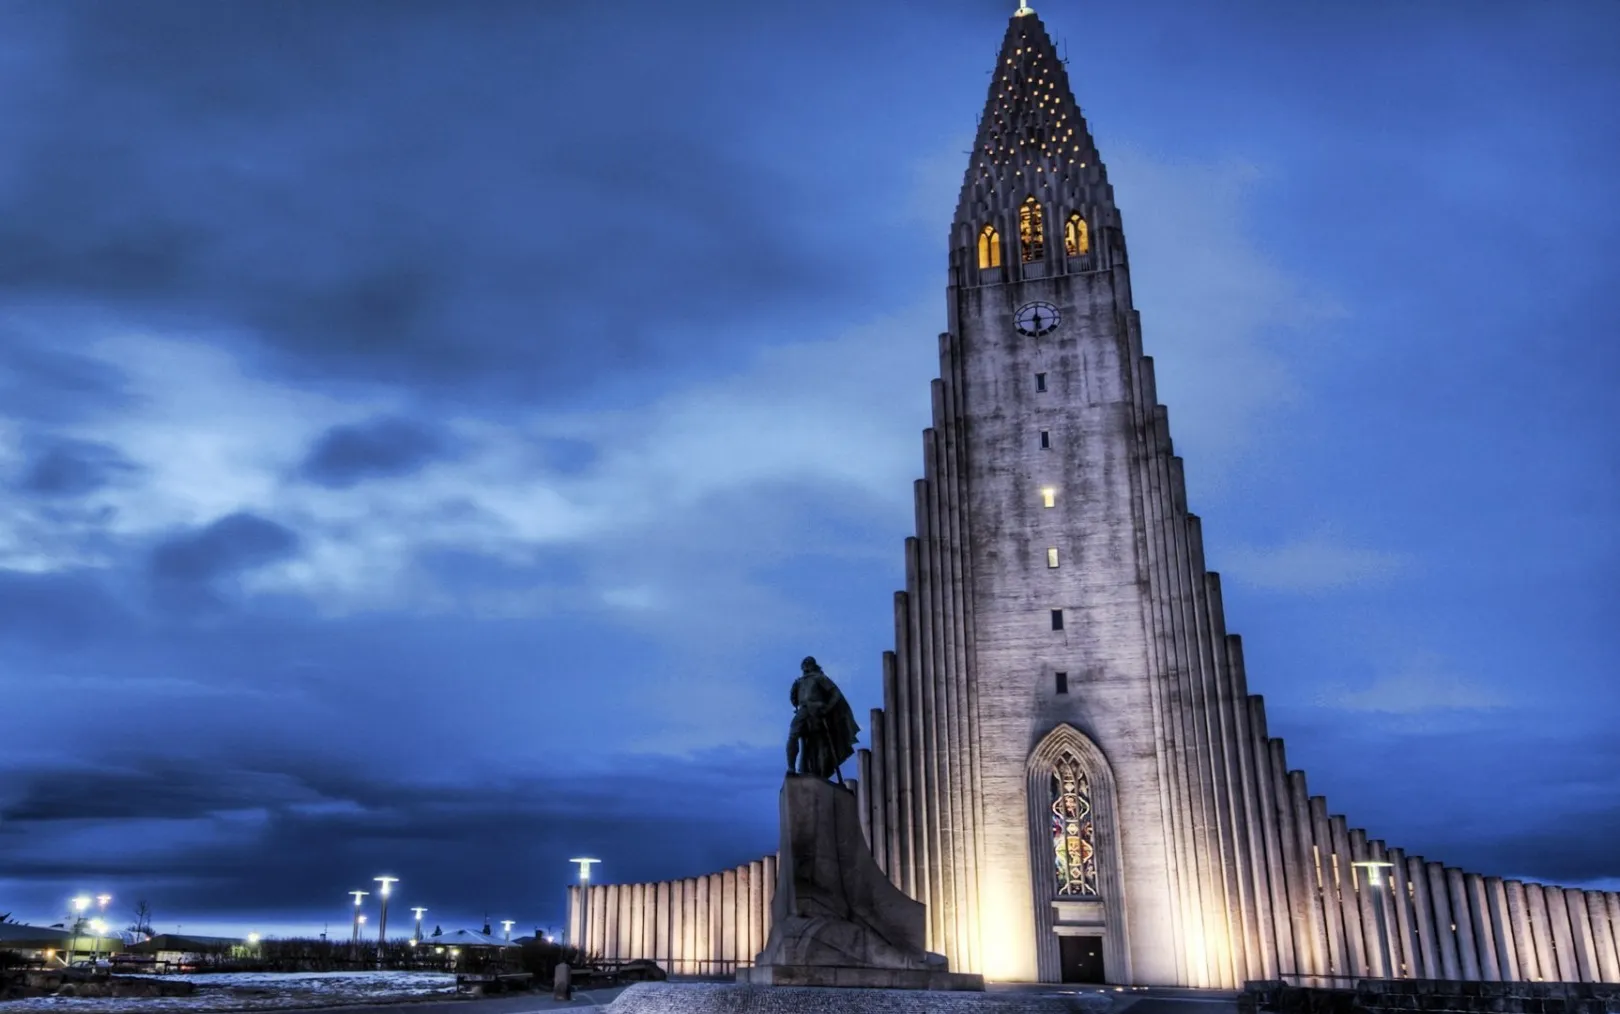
(418, 912)
(99, 928)
(507, 924)
(354, 939)
(101, 901)
(584, 901)
(79, 905)
(1375, 881)
(382, 918)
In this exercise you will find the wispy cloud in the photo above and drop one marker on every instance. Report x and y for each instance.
(1423, 683)
(1311, 563)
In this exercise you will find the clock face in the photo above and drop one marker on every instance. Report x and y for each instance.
(1036, 319)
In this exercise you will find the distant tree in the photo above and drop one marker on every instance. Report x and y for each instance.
(438, 932)
(5, 919)
(142, 925)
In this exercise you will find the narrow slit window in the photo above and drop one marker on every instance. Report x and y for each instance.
(1062, 682)
(1040, 381)
(1051, 556)
(1046, 440)
(1057, 619)
(989, 248)
(1049, 497)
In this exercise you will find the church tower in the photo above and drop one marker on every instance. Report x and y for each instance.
(1068, 769)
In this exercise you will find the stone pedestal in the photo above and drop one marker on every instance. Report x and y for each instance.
(836, 920)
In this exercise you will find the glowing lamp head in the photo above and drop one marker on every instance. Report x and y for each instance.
(585, 867)
(81, 903)
(1374, 868)
(387, 884)
(357, 896)
(102, 899)
(362, 920)
(418, 912)
(253, 938)
(99, 925)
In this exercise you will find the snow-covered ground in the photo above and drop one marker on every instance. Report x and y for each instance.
(248, 991)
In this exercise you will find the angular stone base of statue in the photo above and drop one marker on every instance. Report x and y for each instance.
(836, 920)
(737, 998)
(846, 977)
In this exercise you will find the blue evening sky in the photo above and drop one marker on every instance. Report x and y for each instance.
(432, 432)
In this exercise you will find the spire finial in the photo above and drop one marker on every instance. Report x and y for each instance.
(1023, 8)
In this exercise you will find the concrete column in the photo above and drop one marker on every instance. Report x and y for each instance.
(1255, 842)
(1423, 910)
(1266, 800)
(663, 953)
(894, 803)
(1383, 945)
(1462, 924)
(1479, 916)
(1569, 968)
(1328, 888)
(769, 901)
(963, 755)
(1445, 928)
(1247, 862)
(1581, 934)
(863, 794)
(717, 922)
(1524, 943)
(922, 633)
(877, 793)
(1611, 900)
(728, 919)
(1311, 882)
(1218, 928)
(905, 731)
(1404, 926)
(1541, 930)
(625, 937)
(689, 932)
(573, 915)
(756, 917)
(1507, 961)
(1359, 891)
(1343, 881)
(922, 839)
(1608, 957)
(1167, 693)
(940, 814)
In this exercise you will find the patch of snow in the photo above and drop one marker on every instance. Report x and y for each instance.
(251, 991)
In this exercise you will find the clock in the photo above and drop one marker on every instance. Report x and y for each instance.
(1036, 319)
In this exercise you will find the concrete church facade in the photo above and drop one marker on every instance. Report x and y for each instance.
(1068, 768)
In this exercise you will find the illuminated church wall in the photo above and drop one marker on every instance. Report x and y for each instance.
(1067, 746)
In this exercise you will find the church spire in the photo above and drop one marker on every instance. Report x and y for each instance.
(1033, 145)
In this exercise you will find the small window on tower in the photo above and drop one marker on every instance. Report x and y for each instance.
(1051, 557)
(1057, 619)
(989, 248)
(1049, 497)
(1040, 381)
(1032, 230)
(1046, 440)
(1076, 238)
(1062, 682)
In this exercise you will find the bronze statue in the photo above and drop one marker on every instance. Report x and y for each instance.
(823, 732)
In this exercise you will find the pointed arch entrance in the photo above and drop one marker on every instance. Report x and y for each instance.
(1080, 931)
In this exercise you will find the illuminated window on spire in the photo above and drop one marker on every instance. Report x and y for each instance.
(1076, 237)
(989, 248)
(1073, 838)
(1032, 230)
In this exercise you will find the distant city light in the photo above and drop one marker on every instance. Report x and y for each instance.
(253, 938)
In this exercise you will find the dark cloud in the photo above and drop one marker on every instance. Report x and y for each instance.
(70, 468)
(42, 384)
(64, 609)
(225, 547)
(294, 838)
(408, 206)
(381, 448)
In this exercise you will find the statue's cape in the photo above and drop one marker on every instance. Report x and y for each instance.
(841, 727)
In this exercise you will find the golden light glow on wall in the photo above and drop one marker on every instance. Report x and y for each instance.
(1003, 939)
(1076, 237)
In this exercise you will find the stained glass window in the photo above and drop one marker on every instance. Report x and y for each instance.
(1073, 838)
(989, 248)
(1076, 237)
(1032, 230)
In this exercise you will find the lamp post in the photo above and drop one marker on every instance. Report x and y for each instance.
(101, 903)
(584, 901)
(354, 939)
(1375, 881)
(418, 912)
(382, 917)
(507, 924)
(80, 904)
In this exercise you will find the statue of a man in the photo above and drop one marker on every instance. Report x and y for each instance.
(823, 732)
